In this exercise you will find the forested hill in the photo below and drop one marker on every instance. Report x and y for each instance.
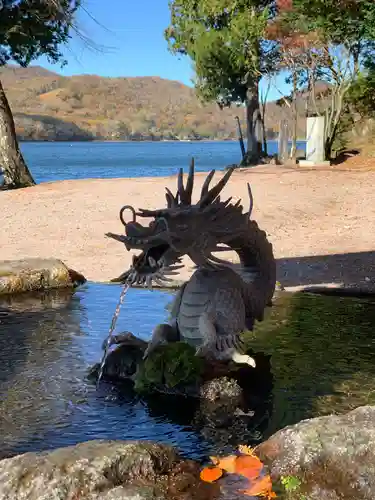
(48, 106)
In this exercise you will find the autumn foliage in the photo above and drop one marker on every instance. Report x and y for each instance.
(245, 464)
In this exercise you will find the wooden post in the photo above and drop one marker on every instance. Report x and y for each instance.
(240, 138)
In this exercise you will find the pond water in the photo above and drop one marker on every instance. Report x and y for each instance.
(321, 352)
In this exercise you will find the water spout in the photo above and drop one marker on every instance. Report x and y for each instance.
(111, 330)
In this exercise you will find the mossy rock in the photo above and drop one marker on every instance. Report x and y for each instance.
(34, 275)
(170, 368)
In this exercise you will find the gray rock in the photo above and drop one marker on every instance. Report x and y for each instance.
(105, 470)
(124, 355)
(220, 416)
(333, 456)
(30, 275)
(221, 388)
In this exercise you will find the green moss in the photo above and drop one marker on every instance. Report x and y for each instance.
(322, 350)
(170, 366)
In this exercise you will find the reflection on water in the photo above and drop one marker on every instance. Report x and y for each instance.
(45, 353)
(322, 352)
(322, 355)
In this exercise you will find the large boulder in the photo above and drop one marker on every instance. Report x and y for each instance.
(330, 457)
(30, 275)
(103, 470)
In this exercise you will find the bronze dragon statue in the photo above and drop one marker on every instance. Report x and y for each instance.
(221, 299)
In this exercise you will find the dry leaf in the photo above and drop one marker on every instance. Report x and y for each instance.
(260, 488)
(246, 450)
(211, 474)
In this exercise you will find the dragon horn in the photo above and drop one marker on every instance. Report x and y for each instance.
(180, 185)
(171, 201)
(190, 183)
(251, 200)
(214, 192)
(206, 183)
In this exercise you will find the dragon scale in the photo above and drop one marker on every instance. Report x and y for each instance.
(221, 299)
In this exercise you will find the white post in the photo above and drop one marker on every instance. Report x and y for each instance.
(315, 142)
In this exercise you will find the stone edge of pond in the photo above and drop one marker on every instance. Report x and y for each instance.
(110, 469)
(37, 274)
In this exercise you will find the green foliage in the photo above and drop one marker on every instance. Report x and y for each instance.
(341, 137)
(361, 95)
(292, 486)
(336, 40)
(170, 366)
(290, 483)
(225, 41)
(31, 28)
(339, 21)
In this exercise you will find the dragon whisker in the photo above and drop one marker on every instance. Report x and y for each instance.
(117, 237)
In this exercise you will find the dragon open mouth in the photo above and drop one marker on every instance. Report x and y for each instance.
(152, 265)
(151, 260)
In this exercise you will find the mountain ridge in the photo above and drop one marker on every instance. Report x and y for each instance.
(50, 106)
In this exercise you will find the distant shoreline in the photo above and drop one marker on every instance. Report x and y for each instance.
(109, 141)
(127, 140)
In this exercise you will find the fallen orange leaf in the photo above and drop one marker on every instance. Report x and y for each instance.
(249, 474)
(227, 463)
(248, 462)
(249, 467)
(261, 487)
(210, 474)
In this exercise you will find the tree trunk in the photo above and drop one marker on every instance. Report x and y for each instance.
(293, 151)
(16, 173)
(254, 125)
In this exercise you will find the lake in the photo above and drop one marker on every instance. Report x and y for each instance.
(52, 161)
(321, 352)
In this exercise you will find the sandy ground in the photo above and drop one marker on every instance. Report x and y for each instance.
(321, 222)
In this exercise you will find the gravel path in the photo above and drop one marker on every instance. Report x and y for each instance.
(321, 222)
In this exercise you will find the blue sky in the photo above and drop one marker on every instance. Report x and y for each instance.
(130, 41)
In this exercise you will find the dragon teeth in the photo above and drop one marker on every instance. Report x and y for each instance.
(152, 262)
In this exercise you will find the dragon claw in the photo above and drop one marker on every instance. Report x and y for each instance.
(243, 359)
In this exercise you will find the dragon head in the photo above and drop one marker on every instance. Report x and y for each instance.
(182, 228)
